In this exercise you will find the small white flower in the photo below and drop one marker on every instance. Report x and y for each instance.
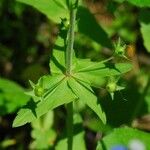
(136, 145)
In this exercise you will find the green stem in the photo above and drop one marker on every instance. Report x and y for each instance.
(69, 55)
(70, 125)
(70, 42)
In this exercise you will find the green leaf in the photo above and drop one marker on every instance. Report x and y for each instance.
(93, 72)
(60, 95)
(140, 3)
(11, 96)
(144, 20)
(88, 25)
(123, 136)
(57, 62)
(43, 139)
(53, 9)
(84, 92)
(42, 133)
(78, 142)
(50, 81)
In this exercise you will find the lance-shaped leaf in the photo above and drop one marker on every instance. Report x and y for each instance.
(60, 95)
(57, 62)
(53, 9)
(93, 72)
(84, 92)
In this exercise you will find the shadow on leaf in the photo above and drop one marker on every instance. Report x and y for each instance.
(32, 105)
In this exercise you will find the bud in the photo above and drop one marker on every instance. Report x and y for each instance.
(120, 48)
(38, 91)
(111, 87)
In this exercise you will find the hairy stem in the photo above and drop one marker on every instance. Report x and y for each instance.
(69, 55)
(70, 42)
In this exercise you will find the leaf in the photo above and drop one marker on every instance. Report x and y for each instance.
(12, 96)
(144, 20)
(50, 81)
(123, 136)
(53, 9)
(88, 25)
(140, 3)
(43, 139)
(84, 92)
(78, 142)
(57, 62)
(93, 72)
(58, 96)
(42, 133)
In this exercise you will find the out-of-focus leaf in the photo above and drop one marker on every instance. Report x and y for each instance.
(84, 93)
(53, 9)
(44, 139)
(42, 132)
(88, 25)
(78, 138)
(11, 96)
(78, 142)
(145, 27)
(140, 3)
(122, 136)
(60, 95)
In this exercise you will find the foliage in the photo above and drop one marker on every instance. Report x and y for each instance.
(95, 79)
(12, 96)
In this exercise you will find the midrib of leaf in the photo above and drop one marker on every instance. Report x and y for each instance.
(60, 3)
(52, 88)
(81, 90)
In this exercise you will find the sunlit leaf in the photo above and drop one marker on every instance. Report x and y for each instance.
(93, 72)
(57, 61)
(84, 92)
(53, 9)
(33, 110)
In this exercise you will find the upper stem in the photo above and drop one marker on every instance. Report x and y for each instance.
(69, 55)
(70, 42)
